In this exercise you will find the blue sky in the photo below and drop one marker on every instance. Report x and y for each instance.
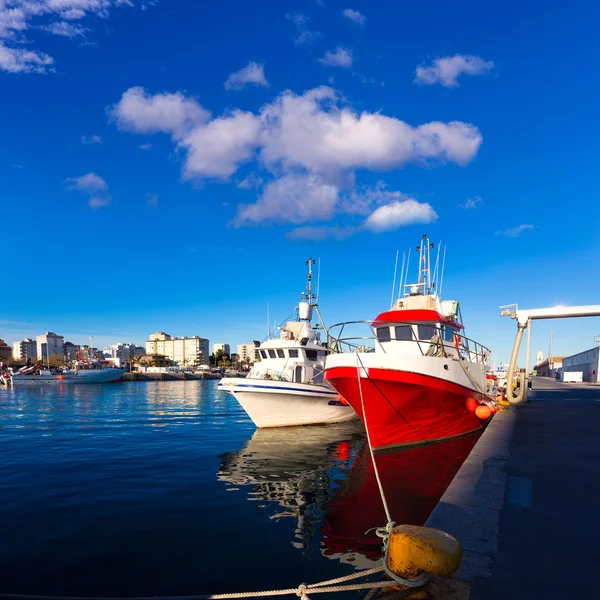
(171, 164)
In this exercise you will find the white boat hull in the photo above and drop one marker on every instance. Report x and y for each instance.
(286, 404)
(79, 377)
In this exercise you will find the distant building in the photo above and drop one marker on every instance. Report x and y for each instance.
(248, 352)
(71, 351)
(25, 350)
(549, 367)
(588, 362)
(89, 353)
(123, 352)
(48, 345)
(224, 347)
(183, 351)
(539, 357)
(5, 351)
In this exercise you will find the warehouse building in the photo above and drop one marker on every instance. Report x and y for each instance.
(588, 362)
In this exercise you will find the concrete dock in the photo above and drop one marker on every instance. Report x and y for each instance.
(526, 503)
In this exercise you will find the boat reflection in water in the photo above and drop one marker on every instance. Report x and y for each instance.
(323, 477)
(292, 471)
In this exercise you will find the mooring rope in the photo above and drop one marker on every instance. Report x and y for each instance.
(302, 591)
(390, 523)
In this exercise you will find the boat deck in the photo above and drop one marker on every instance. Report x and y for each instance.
(525, 503)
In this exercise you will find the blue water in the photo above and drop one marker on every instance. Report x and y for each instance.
(166, 488)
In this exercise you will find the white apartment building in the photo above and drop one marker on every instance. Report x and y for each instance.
(25, 350)
(224, 347)
(248, 352)
(185, 351)
(49, 344)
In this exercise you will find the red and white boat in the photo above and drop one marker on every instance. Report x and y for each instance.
(411, 375)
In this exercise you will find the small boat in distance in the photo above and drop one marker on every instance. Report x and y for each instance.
(418, 378)
(286, 386)
(38, 375)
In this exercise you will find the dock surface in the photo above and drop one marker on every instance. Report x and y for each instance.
(526, 502)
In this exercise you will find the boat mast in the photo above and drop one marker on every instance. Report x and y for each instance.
(423, 285)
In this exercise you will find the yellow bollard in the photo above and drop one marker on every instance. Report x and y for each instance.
(413, 549)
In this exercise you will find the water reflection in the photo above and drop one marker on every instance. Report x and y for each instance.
(323, 478)
(291, 472)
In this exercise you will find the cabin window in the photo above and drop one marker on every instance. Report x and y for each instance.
(311, 354)
(293, 353)
(322, 354)
(280, 353)
(447, 333)
(271, 353)
(404, 333)
(383, 334)
(426, 332)
(263, 354)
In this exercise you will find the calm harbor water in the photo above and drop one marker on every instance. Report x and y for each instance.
(166, 488)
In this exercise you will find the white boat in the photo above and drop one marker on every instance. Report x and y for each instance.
(33, 376)
(286, 387)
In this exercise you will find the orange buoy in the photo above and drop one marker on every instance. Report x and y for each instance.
(61, 377)
(471, 404)
(483, 412)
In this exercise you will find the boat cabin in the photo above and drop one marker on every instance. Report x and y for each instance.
(418, 332)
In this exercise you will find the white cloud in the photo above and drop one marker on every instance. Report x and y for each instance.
(56, 17)
(20, 60)
(471, 203)
(146, 146)
(312, 131)
(64, 29)
(301, 21)
(96, 202)
(308, 147)
(90, 140)
(398, 214)
(320, 233)
(219, 147)
(342, 57)
(152, 200)
(354, 15)
(90, 182)
(446, 70)
(292, 198)
(140, 112)
(253, 73)
(94, 186)
(514, 231)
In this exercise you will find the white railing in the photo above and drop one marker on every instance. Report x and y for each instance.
(361, 336)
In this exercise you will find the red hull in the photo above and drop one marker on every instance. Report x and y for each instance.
(414, 479)
(407, 408)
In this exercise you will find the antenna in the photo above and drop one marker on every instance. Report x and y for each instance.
(401, 275)
(318, 281)
(309, 284)
(394, 282)
(443, 266)
(436, 268)
(407, 265)
(268, 321)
